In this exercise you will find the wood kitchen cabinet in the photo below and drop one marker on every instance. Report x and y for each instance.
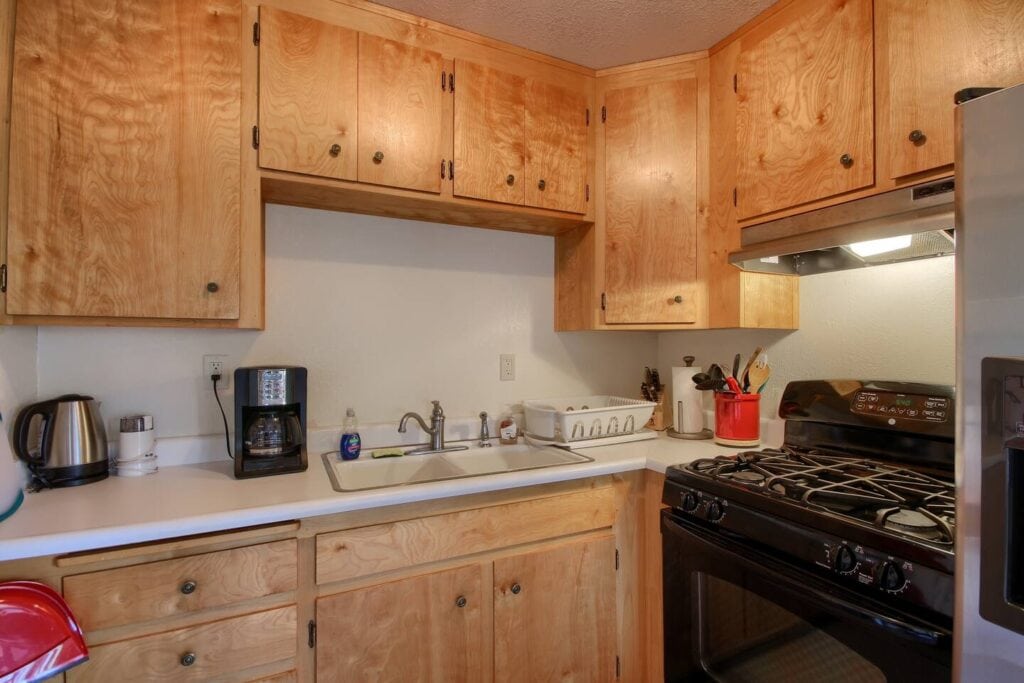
(927, 52)
(804, 114)
(126, 187)
(556, 147)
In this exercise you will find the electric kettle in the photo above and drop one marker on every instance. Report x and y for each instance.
(71, 446)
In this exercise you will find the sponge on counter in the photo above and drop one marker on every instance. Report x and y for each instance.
(387, 453)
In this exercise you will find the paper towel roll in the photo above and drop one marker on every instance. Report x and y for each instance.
(688, 415)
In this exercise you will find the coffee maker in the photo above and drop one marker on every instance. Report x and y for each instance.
(270, 421)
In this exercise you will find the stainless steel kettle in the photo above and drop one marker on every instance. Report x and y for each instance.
(71, 444)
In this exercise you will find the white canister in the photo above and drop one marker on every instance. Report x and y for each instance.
(137, 438)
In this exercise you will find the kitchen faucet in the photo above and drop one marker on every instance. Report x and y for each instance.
(435, 430)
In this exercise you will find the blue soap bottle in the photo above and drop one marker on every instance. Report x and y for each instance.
(351, 444)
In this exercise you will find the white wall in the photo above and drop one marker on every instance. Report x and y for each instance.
(886, 322)
(17, 370)
(386, 314)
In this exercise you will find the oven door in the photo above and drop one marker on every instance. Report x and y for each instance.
(734, 613)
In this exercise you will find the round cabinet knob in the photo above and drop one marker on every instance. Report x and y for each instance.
(188, 659)
(890, 577)
(845, 561)
(715, 511)
(917, 137)
(678, 299)
(846, 160)
(378, 157)
(335, 150)
(460, 601)
(189, 587)
(690, 501)
(510, 180)
(516, 589)
(212, 287)
(541, 185)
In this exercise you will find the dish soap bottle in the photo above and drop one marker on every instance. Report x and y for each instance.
(351, 444)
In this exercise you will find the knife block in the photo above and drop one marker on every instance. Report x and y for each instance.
(657, 421)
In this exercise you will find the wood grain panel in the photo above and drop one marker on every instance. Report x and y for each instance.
(560, 625)
(374, 549)
(490, 133)
(124, 156)
(308, 95)
(150, 591)
(804, 99)
(408, 630)
(651, 203)
(401, 107)
(220, 648)
(933, 49)
(556, 147)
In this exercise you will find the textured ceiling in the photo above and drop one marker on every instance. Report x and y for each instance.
(594, 33)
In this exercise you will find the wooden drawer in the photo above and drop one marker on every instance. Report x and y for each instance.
(218, 648)
(370, 550)
(142, 592)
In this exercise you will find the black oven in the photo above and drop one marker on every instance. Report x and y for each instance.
(735, 611)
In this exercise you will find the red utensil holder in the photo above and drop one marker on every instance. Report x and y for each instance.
(737, 419)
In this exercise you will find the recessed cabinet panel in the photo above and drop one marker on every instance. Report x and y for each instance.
(308, 72)
(401, 115)
(651, 203)
(125, 155)
(556, 147)
(805, 106)
(425, 628)
(490, 134)
(934, 49)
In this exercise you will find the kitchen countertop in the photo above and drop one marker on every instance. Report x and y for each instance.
(204, 498)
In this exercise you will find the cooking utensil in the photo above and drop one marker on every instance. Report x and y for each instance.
(736, 366)
(656, 382)
(745, 379)
(733, 385)
(759, 374)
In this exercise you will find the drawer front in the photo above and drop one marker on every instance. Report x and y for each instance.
(142, 592)
(197, 653)
(370, 550)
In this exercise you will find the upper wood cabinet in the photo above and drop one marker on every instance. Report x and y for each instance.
(804, 115)
(931, 50)
(556, 147)
(125, 160)
(307, 82)
(650, 191)
(490, 134)
(402, 106)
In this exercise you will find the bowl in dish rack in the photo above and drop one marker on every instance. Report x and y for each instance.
(585, 417)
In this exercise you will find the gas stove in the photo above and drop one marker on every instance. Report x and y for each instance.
(860, 495)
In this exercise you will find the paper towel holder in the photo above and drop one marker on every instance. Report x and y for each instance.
(703, 434)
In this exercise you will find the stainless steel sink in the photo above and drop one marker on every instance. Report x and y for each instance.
(369, 473)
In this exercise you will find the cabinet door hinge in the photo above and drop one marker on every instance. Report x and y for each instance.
(3, 277)
(586, 192)
(255, 137)
(604, 113)
(618, 667)
(451, 170)
(588, 116)
(312, 634)
(735, 197)
(616, 559)
(604, 301)
(735, 83)
(451, 82)
(442, 169)
(256, 33)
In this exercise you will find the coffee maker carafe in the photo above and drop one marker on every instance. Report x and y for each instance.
(270, 421)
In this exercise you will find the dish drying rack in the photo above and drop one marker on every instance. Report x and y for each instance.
(588, 420)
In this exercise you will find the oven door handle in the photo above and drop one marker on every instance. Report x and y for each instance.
(807, 588)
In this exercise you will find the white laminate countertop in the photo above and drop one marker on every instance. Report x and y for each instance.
(204, 498)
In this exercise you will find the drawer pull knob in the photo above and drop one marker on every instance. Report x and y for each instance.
(678, 299)
(541, 185)
(510, 180)
(378, 157)
(516, 589)
(846, 160)
(460, 601)
(212, 287)
(188, 659)
(335, 150)
(917, 137)
(189, 587)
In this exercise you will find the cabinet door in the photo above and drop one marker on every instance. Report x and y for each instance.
(556, 147)
(490, 134)
(125, 159)
(308, 72)
(554, 614)
(805, 106)
(401, 115)
(425, 628)
(651, 203)
(934, 49)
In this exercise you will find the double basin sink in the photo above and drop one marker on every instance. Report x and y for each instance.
(369, 473)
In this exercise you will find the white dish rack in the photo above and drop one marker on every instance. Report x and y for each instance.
(585, 418)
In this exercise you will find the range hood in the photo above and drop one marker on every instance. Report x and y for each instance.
(902, 225)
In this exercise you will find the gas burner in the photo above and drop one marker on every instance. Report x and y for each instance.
(745, 477)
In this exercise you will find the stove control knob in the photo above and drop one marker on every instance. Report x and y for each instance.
(690, 501)
(890, 577)
(715, 511)
(844, 562)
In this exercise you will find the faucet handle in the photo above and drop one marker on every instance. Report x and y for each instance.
(438, 410)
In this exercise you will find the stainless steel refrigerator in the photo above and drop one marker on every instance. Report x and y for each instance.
(989, 626)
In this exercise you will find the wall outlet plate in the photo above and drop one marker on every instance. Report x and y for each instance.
(216, 364)
(507, 371)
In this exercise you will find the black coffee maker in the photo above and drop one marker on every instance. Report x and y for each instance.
(270, 421)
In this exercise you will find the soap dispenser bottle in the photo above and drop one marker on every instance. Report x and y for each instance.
(351, 444)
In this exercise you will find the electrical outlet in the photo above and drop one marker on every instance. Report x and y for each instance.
(216, 365)
(508, 367)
